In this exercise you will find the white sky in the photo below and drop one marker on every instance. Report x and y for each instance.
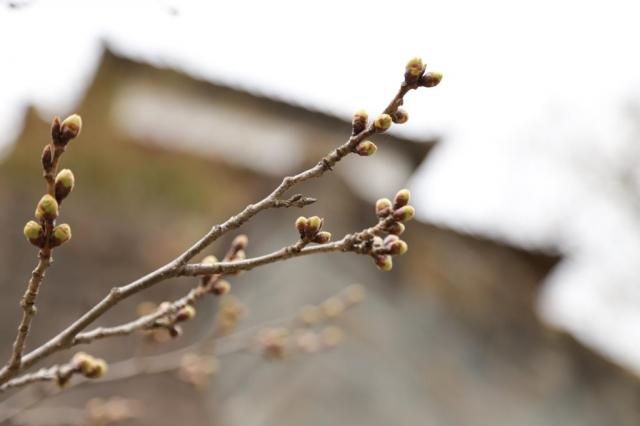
(531, 110)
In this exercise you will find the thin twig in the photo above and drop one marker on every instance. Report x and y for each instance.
(45, 259)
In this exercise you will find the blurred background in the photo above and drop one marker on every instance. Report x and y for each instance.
(518, 301)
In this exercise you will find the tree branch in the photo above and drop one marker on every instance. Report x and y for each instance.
(363, 242)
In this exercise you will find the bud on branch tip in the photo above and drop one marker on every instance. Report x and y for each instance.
(71, 126)
(431, 79)
(415, 67)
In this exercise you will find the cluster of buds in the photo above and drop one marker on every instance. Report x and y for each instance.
(309, 332)
(197, 369)
(360, 122)
(415, 76)
(167, 326)
(416, 73)
(170, 322)
(214, 282)
(103, 412)
(42, 232)
(310, 230)
(84, 364)
(391, 217)
(63, 132)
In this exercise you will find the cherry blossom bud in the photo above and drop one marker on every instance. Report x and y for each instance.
(186, 313)
(366, 148)
(397, 247)
(61, 234)
(34, 233)
(47, 208)
(404, 213)
(359, 121)
(396, 228)
(401, 199)
(384, 262)
(65, 182)
(240, 242)
(71, 127)
(431, 79)
(414, 67)
(383, 207)
(221, 287)
(47, 158)
(301, 225)
(314, 224)
(322, 237)
(401, 116)
(382, 122)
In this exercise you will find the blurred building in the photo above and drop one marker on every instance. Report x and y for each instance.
(449, 337)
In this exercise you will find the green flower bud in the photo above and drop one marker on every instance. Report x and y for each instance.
(89, 366)
(431, 79)
(65, 178)
(415, 67)
(65, 182)
(401, 199)
(382, 122)
(359, 121)
(314, 224)
(186, 313)
(366, 148)
(384, 262)
(61, 234)
(97, 369)
(101, 368)
(34, 233)
(401, 116)
(397, 247)
(221, 287)
(82, 361)
(404, 213)
(301, 225)
(322, 237)
(396, 228)
(47, 208)
(71, 127)
(383, 207)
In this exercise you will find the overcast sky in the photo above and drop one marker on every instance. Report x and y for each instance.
(535, 111)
